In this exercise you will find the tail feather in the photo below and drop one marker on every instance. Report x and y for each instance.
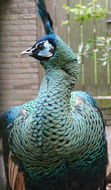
(45, 16)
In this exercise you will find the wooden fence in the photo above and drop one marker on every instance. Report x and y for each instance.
(94, 77)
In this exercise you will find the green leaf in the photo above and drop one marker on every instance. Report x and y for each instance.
(104, 63)
(80, 48)
(65, 22)
(91, 55)
(95, 50)
(90, 41)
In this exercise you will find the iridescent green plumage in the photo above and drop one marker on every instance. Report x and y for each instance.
(58, 145)
(55, 140)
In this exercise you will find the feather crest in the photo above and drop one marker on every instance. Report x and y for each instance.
(45, 17)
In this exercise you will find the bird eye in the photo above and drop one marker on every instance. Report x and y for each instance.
(40, 46)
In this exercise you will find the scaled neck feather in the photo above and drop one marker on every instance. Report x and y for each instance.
(64, 61)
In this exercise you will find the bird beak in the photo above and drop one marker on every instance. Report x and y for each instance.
(28, 51)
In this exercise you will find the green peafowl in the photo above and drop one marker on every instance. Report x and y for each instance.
(56, 145)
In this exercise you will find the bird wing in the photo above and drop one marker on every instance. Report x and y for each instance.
(80, 97)
(8, 118)
(14, 177)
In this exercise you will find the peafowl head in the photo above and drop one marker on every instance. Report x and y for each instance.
(51, 50)
(43, 49)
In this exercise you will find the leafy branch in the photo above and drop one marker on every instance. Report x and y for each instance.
(82, 13)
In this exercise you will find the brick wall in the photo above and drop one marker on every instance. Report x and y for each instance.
(18, 74)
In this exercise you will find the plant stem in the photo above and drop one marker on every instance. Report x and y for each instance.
(82, 58)
(82, 42)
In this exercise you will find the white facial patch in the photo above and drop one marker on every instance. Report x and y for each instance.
(46, 51)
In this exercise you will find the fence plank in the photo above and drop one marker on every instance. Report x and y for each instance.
(74, 30)
(102, 86)
(74, 41)
(61, 15)
(89, 69)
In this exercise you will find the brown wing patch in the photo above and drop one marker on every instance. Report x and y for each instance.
(16, 178)
(20, 183)
(23, 111)
(79, 100)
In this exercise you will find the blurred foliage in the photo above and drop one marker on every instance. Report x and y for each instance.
(104, 46)
(81, 13)
(92, 11)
